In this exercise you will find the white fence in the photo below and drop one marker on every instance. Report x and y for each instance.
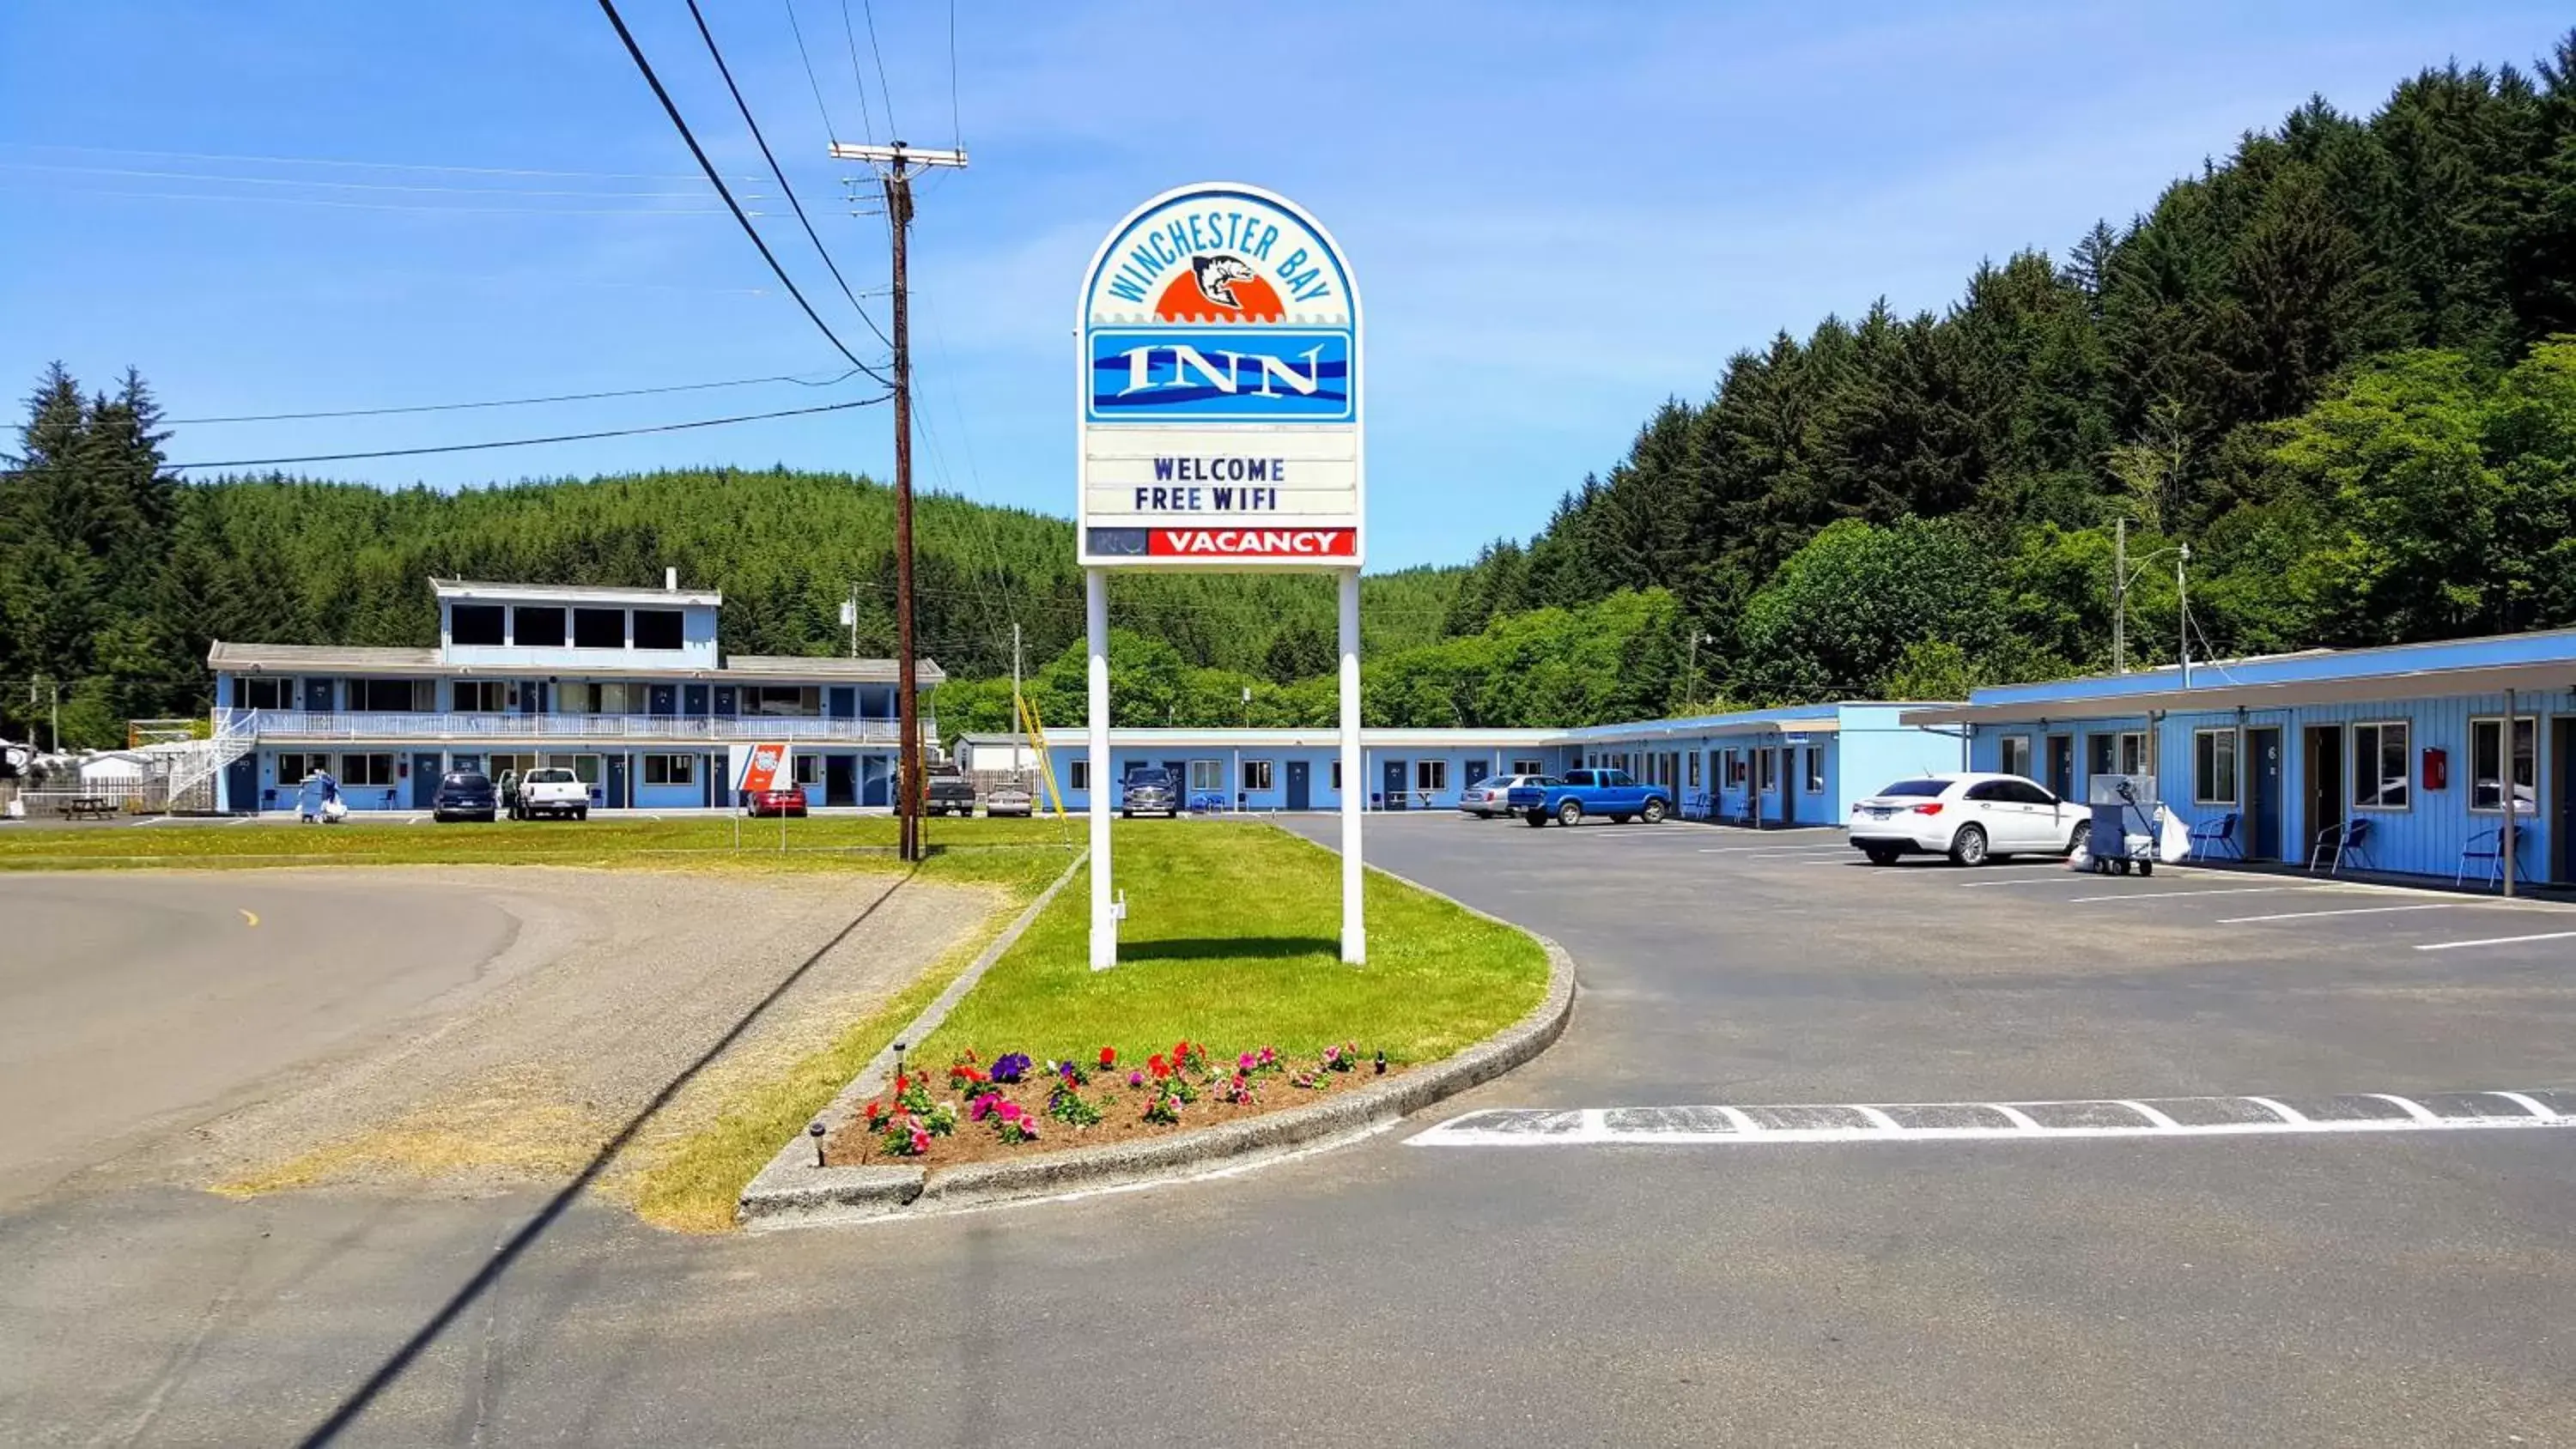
(296, 725)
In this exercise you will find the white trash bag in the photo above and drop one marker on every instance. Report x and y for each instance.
(334, 810)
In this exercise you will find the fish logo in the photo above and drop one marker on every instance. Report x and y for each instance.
(1220, 287)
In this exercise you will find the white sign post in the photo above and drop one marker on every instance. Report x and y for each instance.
(1218, 373)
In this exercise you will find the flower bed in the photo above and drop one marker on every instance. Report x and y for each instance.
(977, 1111)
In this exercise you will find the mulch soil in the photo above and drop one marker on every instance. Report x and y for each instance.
(1121, 1107)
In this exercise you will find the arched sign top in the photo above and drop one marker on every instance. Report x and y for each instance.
(1219, 378)
(1219, 253)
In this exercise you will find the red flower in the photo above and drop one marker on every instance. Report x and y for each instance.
(901, 1082)
(1158, 1066)
(1108, 1058)
(874, 1112)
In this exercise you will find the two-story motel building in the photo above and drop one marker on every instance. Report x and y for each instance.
(627, 687)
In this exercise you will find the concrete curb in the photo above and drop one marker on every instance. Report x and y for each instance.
(793, 1192)
(791, 1186)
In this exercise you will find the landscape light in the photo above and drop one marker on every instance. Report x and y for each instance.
(815, 1131)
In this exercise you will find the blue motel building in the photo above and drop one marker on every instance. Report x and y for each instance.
(626, 687)
(2413, 755)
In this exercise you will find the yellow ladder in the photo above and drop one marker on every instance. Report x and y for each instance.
(1046, 766)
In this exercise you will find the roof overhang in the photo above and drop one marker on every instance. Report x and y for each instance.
(571, 595)
(2539, 678)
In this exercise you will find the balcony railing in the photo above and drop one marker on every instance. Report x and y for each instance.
(302, 725)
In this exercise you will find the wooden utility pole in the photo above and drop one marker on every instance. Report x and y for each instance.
(896, 163)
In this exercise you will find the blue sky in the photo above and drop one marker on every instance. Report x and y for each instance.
(1558, 215)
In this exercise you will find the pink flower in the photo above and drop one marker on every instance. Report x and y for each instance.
(1008, 1111)
(1246, 1062)
(1135, 1079)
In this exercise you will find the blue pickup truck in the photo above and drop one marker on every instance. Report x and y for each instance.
(1589, 792)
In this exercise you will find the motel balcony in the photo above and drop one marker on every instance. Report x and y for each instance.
(298, 726)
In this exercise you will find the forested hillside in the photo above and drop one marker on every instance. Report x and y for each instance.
(2337, 365)
(2323, 364)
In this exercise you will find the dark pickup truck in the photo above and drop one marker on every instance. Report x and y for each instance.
(1589, 792)
(949, 792)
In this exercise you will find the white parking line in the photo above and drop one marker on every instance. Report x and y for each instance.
(2200, 891)
(2348, 911)
(2496, 941)
(1855, 1122)
(1739, 849)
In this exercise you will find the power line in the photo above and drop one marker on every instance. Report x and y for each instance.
(511, 402)
(673, 111)
(155, 174)
(885, 93)
(358, 165)
(956, 134)
(801, 54)
(850, 37)
(644, 212)
(530, 442)
(784, 189)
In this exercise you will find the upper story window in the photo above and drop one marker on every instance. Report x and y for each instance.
(540, 624)
(802, 700)
(474, 623)
(481, 696)
(255, 693)
(599, 628)
(657, 629)
(377, 696)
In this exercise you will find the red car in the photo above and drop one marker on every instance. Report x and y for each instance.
(778, 802)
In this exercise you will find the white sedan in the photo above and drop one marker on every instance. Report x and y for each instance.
(1486, 796)
(1971, 818)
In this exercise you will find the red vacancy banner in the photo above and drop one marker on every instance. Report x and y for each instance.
(1253, 543)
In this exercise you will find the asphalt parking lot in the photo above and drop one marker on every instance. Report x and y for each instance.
(2382, 1286)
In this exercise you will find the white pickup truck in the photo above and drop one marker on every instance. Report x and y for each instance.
(553, 791)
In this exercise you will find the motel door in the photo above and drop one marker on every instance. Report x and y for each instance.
(424, 781)
(1392, 782)
(840, 786)
(2263, 800)
(2325, 785)
(1788, 786)
(1300, 786)
(2061, 766)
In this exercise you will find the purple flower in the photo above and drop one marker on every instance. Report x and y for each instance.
(1010, 1066)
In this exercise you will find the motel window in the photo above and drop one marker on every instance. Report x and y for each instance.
(1769, 779)
(1694, 770)
(583, 697)
(2101, 754)
(670, 769)
(511, 765)
(390, 696)
(657, 628)
(1256, 775)
(1528, 767)
(2213, 767)
(599, 628)
(1735, 769)
(2016, 755)
(1430, 777)
(2379, 765)
(474, 623)
(366, 769)
(264, 694)
(1815, 769)
(585, 768)
(538, 626)
(803, 701)
(1078, 774)
(481, 696)
(2133, 753)
(809, 769)
(292, 767)
(1207, 777)
(1337, 777)
(2486, 765)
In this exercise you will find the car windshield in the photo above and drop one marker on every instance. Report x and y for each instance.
(1916, 787)
(467, 782)
(1149, 780)
(550, 777)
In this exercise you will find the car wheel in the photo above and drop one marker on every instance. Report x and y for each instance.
(2082, 838)
(1570, 813)
(1536, 818)
(1653, 814)
(1968, 847)
(1880, 854)
(1126, 814)
(581, 814)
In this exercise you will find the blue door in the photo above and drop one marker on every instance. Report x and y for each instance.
(665, 699)
(616, 781)
(241, 784)
(841, 702)
(317, 695)
(1391, 777)
(1300, 786)
(2263, 800)
(424, 780)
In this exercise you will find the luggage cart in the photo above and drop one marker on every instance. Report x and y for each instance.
(2128, 822)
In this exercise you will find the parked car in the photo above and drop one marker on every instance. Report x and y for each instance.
(1589, 792)
(949, 793)
(465, 795)
(1009, 799)
(1150, 791)
(787, 800)
(553, 791)
(1971, 817)
(1489, 796)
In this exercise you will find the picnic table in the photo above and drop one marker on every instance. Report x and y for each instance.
(97, 807)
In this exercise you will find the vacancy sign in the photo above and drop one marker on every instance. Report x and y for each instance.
(1219, 388)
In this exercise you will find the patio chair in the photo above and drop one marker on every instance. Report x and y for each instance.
(2488, 845)
(1697, 807)
(2348, 841)
(2215, 835)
